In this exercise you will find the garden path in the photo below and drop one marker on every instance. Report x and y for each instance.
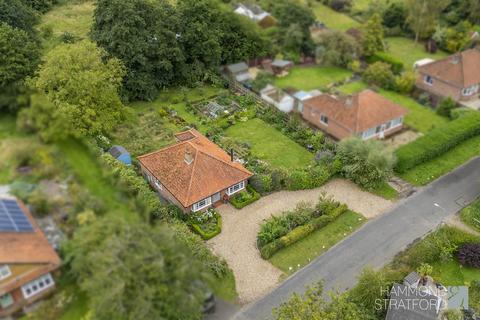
(237, 243)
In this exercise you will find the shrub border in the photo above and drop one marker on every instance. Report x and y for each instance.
(208, 235)
(240, 205)
(301, 232)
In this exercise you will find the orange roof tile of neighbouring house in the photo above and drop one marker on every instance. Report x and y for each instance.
(22, 242)
(194, 168)
(356, 113)
(461, 70)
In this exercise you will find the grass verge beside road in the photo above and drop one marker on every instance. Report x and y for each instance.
(299, 254)
(471, 215)
(270, 145)
(427, 172)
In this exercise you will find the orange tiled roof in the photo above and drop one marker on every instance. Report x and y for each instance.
(27, 248)
(365, 110)
(210, 171)
(461, 70)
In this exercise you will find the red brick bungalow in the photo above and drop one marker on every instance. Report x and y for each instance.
(27, 260)
(457, 76)
(194, 173)
(366, 115)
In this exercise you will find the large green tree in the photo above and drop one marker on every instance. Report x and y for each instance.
(422, 15)
(142, 34)
(291, 12)
(83, 86)
(134, 271)
(18, 15)
(373, 36)
(19, 56)
(337, 48)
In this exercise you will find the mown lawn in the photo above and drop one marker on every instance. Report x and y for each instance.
(471, 215)
(299, 254)
(385, 191)
(270, 145)
(333, 19)
(407, 51)
(419, 117)
(75, 18)
(431, 170)
(309, 78)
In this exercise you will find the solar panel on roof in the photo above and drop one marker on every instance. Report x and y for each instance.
(12, 217)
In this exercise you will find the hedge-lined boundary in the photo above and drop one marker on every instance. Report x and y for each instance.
(238, 204)
(301, 232)
(208, 235)
(397, 65)
(437, 142)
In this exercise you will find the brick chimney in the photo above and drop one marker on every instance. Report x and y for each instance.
(188, 155)
(232, 155)
(349, 101)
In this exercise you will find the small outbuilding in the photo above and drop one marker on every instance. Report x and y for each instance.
(281, 67)
(239, 71)
(121, 154)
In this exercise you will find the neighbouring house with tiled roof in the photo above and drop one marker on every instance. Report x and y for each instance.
(194, 173)
(457, 76)
(366, 115)
(27, 260)
(255, 13)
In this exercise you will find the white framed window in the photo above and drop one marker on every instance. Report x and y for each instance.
(202, 204)
(6, 301)
(428, 80)
(324, 119)
(470, 90)
(5, 272)
(157, 184)
(397, 122)
(235, 188)
(38, 285)
(367, 134)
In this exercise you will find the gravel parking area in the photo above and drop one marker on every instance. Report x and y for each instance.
(237, 243)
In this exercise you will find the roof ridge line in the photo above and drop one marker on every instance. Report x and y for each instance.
(163, 149)
(193, 170)
(221, 160)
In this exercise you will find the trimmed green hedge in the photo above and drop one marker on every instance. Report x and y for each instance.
(397, 65)
(437, 142)
(301, 232)
(208, 235)
(239, 201)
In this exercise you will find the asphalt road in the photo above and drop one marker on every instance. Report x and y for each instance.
(377, 242)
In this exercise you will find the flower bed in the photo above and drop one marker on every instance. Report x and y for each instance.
(207, 224)
(282, 231)
(245, 197)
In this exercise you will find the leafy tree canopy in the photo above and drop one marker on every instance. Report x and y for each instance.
(20, 57)
(141, 34)
(83, 87)
(133, 271)
(18, 15)
(373, 37)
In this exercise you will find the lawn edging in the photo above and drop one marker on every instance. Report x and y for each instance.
(297, 234)
(238, 200)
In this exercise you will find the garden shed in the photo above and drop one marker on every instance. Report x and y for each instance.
(121, 154)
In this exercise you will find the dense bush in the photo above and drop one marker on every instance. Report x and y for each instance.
(437, 142)
(244, 198)
(445, 107)
(396, 65)
(336, 48)
(469, 255)
(380, 74)
(405, 83)
(367, 163)
(217, 265)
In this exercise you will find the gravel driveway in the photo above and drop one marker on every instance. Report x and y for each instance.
(237, 243)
